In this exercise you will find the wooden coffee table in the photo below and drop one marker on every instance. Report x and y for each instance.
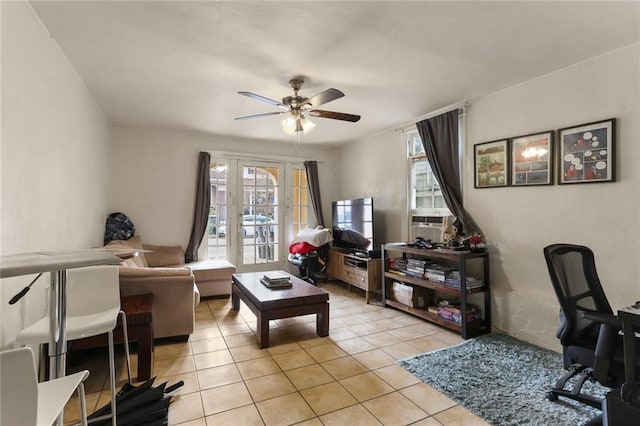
(301, 298)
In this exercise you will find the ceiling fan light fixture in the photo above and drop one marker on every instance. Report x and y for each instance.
(299, 107)
(292, 125)
(307, 125)
(289, 126)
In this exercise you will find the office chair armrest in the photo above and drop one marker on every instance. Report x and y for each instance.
(601, 318)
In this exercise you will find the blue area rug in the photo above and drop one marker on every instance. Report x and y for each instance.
(503, 381)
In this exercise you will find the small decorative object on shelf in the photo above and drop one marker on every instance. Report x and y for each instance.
(477, 243)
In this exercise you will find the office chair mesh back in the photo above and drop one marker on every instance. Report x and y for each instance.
(577, 286)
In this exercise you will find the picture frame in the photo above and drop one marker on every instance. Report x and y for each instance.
(586, 153)
(532, 159)
(491, 164)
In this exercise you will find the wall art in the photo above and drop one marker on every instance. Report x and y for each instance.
(532, 159)
(586, 153)
(491, 164)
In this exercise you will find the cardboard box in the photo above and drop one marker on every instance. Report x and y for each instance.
(416, 297)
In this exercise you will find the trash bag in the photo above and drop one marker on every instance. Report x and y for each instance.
(138, 405)
(119, 227)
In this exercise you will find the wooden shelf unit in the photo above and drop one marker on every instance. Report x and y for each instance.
(362, 272)
(455, 259)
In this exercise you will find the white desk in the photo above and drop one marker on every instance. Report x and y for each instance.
(56, 262)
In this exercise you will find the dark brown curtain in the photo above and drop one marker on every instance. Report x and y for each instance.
(311, 167)
(201, 211)
(440, 139)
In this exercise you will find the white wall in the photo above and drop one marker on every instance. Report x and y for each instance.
(156, 175)
(520, 221)
(376, 167)
(54, 158)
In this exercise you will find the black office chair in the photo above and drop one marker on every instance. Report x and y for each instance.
(312, 265)
(589, 331)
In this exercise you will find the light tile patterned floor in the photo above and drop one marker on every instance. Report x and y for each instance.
(349, 378)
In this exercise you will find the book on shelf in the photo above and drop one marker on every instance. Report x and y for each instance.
(453, 280)
(454, 313)
(433, 309)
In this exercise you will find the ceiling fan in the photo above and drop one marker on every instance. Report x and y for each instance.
(299, 107)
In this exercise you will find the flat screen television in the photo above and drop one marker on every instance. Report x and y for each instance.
(353, 224)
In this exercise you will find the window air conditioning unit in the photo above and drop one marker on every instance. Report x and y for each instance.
(429, 227)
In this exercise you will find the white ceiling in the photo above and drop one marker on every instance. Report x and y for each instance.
(179, 64)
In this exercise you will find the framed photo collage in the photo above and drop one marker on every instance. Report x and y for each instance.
(581, 154)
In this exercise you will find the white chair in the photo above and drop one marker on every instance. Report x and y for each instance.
(20, 392)
(93, 307)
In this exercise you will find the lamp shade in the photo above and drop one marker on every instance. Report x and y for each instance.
(289, 126)
(292, 125)
(307, 125)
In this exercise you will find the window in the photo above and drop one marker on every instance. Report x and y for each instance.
(299, 204)
(426, 197)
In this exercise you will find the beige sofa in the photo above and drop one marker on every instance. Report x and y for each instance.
(176, 286)
(161, 272)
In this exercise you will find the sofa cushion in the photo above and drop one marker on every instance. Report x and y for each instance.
(136, 243)
(154, 272)
(133, 243)
(213, 277)
(158, 255)
(209, 270)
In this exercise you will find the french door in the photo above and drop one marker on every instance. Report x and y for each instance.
(257, 207)
(260, 214)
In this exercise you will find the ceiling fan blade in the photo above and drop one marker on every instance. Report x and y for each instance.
(334, 115)
(264, 114)
(263, 99)
(325, 97)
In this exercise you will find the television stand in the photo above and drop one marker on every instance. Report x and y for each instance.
(358, 270)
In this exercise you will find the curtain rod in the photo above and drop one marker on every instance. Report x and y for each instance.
(462, 108)
(259, 157)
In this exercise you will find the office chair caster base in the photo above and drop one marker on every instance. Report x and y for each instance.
(570, 394)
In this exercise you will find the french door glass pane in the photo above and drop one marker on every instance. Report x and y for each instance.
(217, 237)
(260, 213)
(299, 200)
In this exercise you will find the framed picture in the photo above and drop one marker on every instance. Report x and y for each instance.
(532, 159)
(587, 153)
(490, 164)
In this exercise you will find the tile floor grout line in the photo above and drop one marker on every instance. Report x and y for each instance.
(292, 332)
